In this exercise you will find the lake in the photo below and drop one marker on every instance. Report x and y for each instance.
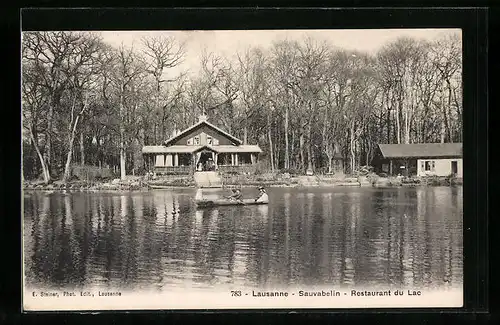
(304, 237)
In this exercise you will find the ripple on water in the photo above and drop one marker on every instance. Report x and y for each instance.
(159, 239)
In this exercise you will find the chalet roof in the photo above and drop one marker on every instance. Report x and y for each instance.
(424, 150)
(191, 149)
(200, 123)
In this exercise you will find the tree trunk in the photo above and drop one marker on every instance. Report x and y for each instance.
(122, 140)
(388, 124)
(353, 153)
(443, 124)
(154, 134)
(45, 170)
(407, 127)
(287, 153)
(368, 151)
(48, 144)
(270, 138)
(245, 134)
(162, 133)
(309, 149)
(301, 149)
(446, 114)
(398, 124)
(82, 149)
(277, 142)
(67, 168)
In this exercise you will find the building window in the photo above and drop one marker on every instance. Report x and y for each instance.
(209, 140)
(197, 141)
(429, 165)
(190, 142)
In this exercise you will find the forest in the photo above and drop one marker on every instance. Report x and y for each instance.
(85, 102)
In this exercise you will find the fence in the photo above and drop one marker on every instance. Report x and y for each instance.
(90, 173)
(177, 170)
(240, 169)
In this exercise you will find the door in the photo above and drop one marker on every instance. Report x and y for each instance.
(206, 162)
(454, 167)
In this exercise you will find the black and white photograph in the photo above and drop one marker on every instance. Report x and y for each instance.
(240, 169)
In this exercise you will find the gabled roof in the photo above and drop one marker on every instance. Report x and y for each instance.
(200, 123)
(416, 150)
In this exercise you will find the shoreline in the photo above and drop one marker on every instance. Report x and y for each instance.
(138, 184)
(228, 186)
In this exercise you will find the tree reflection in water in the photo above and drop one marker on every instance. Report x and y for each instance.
(309, 237)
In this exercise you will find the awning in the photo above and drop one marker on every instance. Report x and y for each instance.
(171, 149)
(192, 149)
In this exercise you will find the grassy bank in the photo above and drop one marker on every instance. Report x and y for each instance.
(133, 184)
(178, 181)
(267, 180)
(370, 180)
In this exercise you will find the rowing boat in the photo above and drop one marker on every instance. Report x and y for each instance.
(214, 203)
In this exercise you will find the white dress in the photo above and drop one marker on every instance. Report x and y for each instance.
(263, 198)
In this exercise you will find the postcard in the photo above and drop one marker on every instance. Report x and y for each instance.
(242, 169)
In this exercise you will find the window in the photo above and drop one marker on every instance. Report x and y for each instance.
(209, 140)
(197, 141)
(428, 165)
(190, 142)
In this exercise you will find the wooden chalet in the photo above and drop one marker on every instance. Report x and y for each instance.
(201, 147)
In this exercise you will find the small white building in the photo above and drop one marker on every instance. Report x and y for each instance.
(420, 159)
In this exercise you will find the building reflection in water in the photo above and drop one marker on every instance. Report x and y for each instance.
(372, 237)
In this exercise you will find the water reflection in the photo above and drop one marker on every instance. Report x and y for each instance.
(157, 240)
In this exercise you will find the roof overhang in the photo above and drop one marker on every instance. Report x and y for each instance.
(193, 149)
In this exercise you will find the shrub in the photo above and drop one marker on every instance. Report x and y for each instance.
(363, 170)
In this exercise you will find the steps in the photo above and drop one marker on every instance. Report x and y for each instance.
(207, 179)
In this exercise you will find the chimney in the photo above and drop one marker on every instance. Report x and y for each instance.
(202, 118)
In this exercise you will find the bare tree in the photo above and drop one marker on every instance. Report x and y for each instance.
(284, 61)
(220, 78)
(127, 68)
(162, 54)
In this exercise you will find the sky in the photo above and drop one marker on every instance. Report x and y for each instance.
(227, 43)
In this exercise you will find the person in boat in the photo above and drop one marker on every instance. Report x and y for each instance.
(236, 196)
(262, 197)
